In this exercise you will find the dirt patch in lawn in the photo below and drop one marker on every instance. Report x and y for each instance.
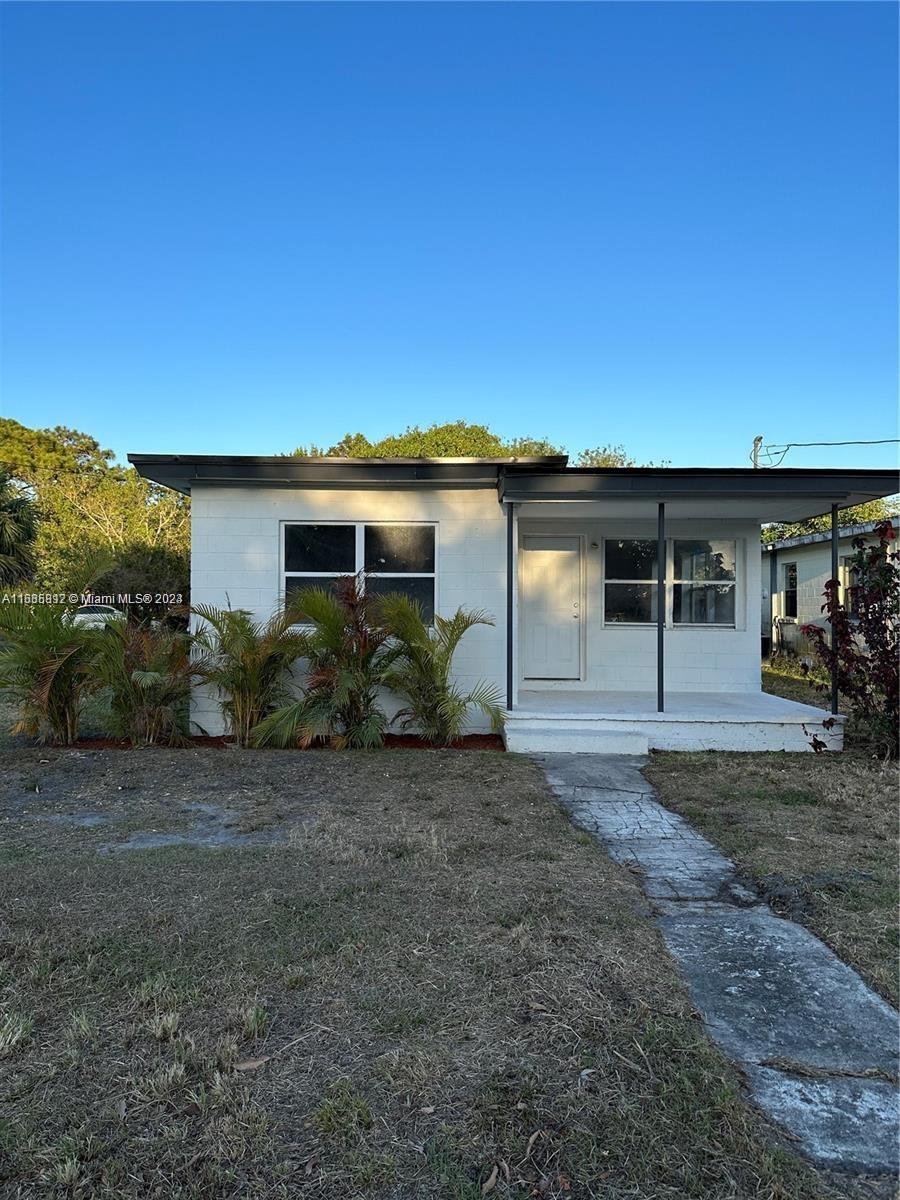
(424, 984)
(818, 833)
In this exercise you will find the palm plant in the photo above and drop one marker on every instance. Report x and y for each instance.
(436, 706)
(47, 665)
(18, 530)
(350, 656)
(248, 662)
(148, 672)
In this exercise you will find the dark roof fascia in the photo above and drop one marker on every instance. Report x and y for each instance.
(517, 480)
(832, 485)
(181, 472)
(811, 539)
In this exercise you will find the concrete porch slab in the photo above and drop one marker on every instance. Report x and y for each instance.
(572, 721)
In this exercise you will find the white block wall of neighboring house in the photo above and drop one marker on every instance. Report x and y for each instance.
(813, 572)
(236, 558)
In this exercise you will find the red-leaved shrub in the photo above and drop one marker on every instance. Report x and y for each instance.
(866, 645)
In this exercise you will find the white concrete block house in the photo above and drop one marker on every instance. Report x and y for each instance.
(794, 573)
(626, 600)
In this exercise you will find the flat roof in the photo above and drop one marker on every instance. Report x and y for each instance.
(180, 471)
(771, 493)
(844, 532)
(767, 493)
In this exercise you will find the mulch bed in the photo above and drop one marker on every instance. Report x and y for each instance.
(393, 741)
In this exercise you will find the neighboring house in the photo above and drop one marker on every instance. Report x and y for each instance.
(794, 574)
(601, 642)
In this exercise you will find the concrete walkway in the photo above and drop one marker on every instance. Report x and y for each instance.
(818, 1048)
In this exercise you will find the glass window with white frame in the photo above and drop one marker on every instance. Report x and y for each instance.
(395, 557)
(630, 587)
(701, 581)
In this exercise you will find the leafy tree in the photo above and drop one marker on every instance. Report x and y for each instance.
(860, 514)
(141, 569)
(18, 531)
(38, 453)
(89, 503)
(459, 439)
(605, 456)
(456, 439)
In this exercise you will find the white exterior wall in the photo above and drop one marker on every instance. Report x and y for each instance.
(236, 558)
(622, 657)
(236, 561)
(813, 572)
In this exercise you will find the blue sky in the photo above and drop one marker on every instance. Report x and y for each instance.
(233, 228)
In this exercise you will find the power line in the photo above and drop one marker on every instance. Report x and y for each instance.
(779, 450)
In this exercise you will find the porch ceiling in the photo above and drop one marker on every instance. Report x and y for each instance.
(766, 494)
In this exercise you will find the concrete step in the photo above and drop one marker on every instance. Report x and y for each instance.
(525, 735)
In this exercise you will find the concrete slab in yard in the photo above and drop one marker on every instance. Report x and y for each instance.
(769, 989)
(833, 1118)
(818, 1047)
(676, 861)
(621, 772)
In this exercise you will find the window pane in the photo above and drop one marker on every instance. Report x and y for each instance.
(700, 560)
(630, 559)
(631, 603)
(320, 548)
(703, 604)
(399, 547)
(790, 589)
(294, 583)
(420, 590)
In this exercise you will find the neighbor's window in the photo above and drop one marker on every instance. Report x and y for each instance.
(703, 583)
(630, 587)
(396, 558)
(851, 587)
(790, 590)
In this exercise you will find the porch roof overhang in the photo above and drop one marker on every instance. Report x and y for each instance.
(765, 494)
(182, 472)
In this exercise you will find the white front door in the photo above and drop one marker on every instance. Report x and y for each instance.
(551, 607)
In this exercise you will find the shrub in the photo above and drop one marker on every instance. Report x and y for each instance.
(148, 672)
(349, 660)
(436, 706)
(865, 652)
(248, 662)
(47, 667)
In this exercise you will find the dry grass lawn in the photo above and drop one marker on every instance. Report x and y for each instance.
(410, 978)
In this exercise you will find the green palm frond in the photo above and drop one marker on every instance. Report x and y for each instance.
(247, 662)
(348, 658)
(48, 669)
(422, 671)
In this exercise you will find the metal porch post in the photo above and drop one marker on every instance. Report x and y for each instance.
(834, 575)
(660, 606)
(510, 607)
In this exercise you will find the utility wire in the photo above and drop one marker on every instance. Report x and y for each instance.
(780, 449)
